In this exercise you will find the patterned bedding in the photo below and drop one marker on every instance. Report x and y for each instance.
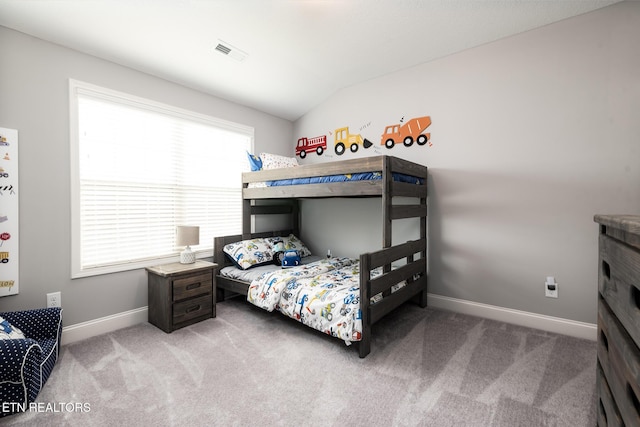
(324, 295)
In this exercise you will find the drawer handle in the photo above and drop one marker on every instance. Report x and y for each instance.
(606, 270)
(604, 340)
(633, 398)
(602, 410)
(193, 308)
(635, 295)
(193, 286)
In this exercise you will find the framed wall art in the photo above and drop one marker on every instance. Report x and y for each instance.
(9, 220)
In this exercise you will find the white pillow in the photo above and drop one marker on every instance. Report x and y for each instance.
(249, 253)
(8, 331)
(273, 161)
(291, 243)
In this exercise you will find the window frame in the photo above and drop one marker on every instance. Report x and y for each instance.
(76, 88)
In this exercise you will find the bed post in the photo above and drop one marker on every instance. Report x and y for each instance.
(422, 296)
(424, 233)
(387, 202)
(295, 216)
(364, 347)
(246, 219)
(387, 206)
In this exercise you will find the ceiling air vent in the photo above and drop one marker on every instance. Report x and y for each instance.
(222, 48)
(230, 51)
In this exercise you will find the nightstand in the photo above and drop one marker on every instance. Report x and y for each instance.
(181, 294)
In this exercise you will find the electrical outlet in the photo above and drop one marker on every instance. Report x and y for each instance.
(54, 299)
(551, 288)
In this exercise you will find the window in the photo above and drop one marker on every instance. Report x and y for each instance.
(139, 169)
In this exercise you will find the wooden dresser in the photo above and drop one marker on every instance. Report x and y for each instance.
(618, 376)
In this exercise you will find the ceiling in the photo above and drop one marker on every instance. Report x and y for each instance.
(298, 52)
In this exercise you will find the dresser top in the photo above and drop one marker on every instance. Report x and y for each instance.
(628, 223)
(166, 270)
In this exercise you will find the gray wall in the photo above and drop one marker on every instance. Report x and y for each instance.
(34, 99)
(532, 135)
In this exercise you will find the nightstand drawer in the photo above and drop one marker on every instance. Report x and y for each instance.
(192, 286)
(192, 308)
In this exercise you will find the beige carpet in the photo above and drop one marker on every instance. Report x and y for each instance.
(248, 367)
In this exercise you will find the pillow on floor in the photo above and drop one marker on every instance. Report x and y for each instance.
(8, 331)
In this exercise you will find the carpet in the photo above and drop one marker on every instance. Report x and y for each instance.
(427, 367)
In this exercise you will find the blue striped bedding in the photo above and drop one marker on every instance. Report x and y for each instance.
(361, 176)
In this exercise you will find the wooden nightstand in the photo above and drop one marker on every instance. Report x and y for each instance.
(181, 294)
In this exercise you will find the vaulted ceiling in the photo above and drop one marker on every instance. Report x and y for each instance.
(282, 57)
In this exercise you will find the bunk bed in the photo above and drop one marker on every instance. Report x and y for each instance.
(393, 274)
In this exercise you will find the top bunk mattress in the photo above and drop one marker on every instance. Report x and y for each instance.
(365, 176)
(360, 176)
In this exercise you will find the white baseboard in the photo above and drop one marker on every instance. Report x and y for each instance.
(558, 325)
(522, 318)
(84, 330)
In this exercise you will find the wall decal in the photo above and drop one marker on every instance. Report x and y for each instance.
(344, 139)
(9, 212)
(407, 133)
(365, 126)
(307, 145)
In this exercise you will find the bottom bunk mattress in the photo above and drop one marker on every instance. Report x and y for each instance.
(324, 295)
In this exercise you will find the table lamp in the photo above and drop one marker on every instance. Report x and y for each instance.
(187, 235)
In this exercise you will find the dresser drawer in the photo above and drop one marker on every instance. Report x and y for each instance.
(618, 282)
(193, 308)
(192, 286)
(619, 358)
(608, 413)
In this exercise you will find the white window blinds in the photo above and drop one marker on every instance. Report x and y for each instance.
(142, 169)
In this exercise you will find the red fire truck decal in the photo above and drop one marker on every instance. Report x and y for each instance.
(307, 145)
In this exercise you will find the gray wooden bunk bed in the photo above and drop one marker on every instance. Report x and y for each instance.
(411, 255)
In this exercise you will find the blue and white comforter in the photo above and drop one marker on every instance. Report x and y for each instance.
(324, 295)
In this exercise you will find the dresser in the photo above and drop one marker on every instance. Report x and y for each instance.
(181, 294)
(618, 368)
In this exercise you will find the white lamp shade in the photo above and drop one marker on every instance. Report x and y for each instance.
(187, 235)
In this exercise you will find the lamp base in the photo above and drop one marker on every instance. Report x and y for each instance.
(187, 256)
